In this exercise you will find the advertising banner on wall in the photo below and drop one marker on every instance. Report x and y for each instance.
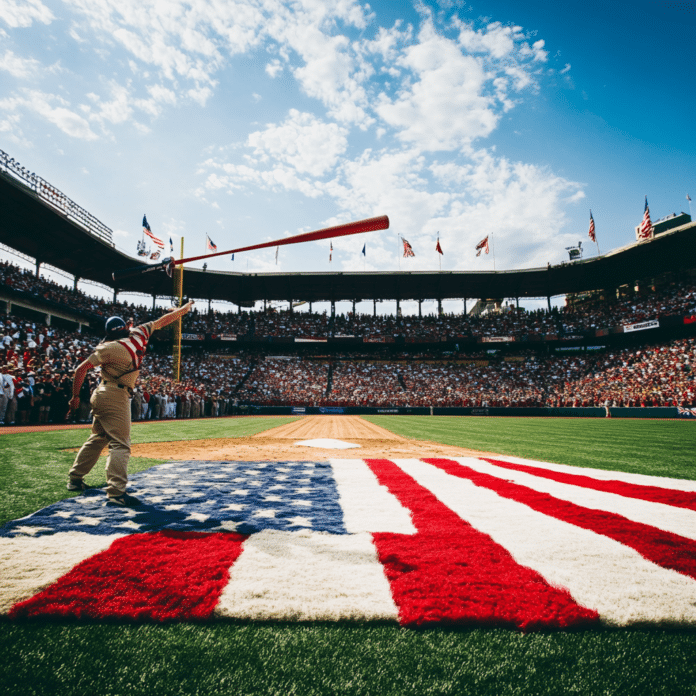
(642, 326)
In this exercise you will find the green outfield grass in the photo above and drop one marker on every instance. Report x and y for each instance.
(62, 657)
(653, 447)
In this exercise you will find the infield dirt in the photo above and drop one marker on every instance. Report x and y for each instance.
(281, 444)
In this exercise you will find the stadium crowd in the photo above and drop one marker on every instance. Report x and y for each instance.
(37, 361)
(647, 303)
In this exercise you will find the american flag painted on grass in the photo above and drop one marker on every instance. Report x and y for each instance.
(462, 541)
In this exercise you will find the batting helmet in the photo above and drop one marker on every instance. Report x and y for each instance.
(115, 328)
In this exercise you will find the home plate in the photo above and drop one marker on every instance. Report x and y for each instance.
(327, 443)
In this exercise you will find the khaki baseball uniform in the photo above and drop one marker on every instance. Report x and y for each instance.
(120, 366)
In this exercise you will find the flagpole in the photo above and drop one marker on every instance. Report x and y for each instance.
(399, 244)
(594, 232)
(493, 249)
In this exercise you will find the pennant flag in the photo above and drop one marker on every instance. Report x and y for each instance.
(330, 251)
(209, 244)
(276, 255)
(469, 541)
(688, 198)
(171, 247)
(482, 246)
(438, 248)
(592, 228)
(232, 257)
(645, 229)
(146, 230)
(364, 246)
(408, 250)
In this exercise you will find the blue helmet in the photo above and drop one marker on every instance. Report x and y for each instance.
(115, 328)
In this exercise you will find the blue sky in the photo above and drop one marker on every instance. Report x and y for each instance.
(249, 120)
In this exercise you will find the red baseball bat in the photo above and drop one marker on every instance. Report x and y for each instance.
(369, 225)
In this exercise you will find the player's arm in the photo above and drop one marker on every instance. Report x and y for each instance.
(171, 316)
(80, 373)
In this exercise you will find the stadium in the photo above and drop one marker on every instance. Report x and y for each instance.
(435, 499)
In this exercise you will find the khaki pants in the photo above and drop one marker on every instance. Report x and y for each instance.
(110, 426)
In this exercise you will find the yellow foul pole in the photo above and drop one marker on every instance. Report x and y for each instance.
(178, 292)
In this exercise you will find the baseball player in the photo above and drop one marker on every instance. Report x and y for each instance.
(119, 355)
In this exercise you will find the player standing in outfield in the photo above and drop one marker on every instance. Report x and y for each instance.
(119, 355)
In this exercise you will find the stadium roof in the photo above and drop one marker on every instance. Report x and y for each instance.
(30, 224)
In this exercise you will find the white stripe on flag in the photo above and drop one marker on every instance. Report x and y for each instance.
(604, 475)
(667, 517)
(599, 573)
(367, 505)
(307, 576)
(28, 564)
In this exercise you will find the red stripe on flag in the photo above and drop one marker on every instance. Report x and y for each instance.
(651, 494)
(663, 548)
(162, 576)
(451, 573)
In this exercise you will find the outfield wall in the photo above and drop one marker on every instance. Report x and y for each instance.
(537, 412)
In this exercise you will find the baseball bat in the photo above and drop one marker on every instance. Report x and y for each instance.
(369, 225)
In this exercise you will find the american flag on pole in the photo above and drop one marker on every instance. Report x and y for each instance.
(591, 231)
(330, 251)
(645, 229)
(469, 541)
(146, 229)
(482, 246)
(408, 249)
(209, 244)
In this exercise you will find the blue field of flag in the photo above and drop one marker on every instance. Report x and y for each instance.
(244, 497)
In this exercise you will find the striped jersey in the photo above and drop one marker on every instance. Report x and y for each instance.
(121, 359)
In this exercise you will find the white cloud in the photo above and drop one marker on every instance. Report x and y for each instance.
(446, 107)
(21, 68)
(24, 14)
(307, 144)
(53, 109)
(116, 110)
(496, 39)
(274, 68)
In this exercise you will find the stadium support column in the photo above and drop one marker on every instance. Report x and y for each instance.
(353, 307)
(75, 281)
(439, 307)
(548, 302)
(38, 267)
(333, 309)
(374, 308)
(420, 313)
(465, 306)
(154, 300)
(115, 294)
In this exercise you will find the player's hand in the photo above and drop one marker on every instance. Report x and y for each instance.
(73, 405)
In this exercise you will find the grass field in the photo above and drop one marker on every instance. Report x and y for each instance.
(62, 657)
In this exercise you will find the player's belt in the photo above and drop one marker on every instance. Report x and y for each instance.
(120, 386)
